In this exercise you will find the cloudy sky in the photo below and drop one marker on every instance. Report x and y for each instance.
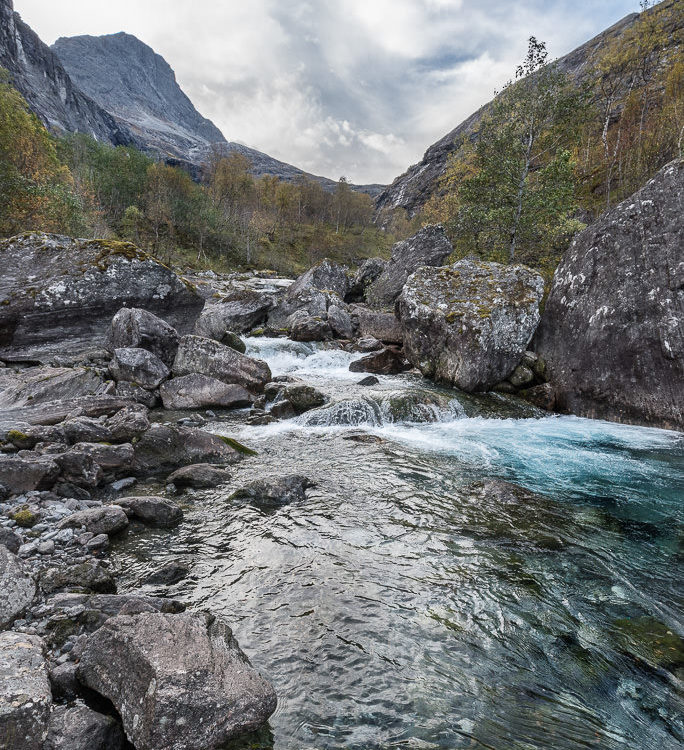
(337, 87)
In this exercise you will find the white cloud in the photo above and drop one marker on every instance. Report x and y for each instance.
(358, 88)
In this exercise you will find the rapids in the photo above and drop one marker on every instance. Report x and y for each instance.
(398, 607)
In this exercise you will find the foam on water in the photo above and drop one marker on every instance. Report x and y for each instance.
(302, 359)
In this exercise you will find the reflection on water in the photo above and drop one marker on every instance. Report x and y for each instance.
(403, 605)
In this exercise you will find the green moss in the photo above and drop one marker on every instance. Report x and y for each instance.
(17, 435)
(239, 447)
(25, 518)
(650, 640)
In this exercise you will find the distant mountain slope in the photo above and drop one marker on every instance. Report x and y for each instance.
(414, 188)
(40, 77)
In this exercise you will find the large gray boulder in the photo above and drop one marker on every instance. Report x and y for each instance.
(429, 247)
(469, 324)
(612, 333)
(154, 511)
(23, 474)
(25, 696)
(134, 328)
(59, 294)
(138, 366)
(107, 519)
(179, 682)
(367, 273)
(207, 357)
(200, 391)
(382, 326)
(78, 727)
(17, 587)
(325, 276)
(239, 312)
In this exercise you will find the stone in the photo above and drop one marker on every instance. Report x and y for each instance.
(85, 430)
(429, 247)
(107, 519)
(370, 380)
(134, 392)
(234, 342)
(25, 697)
(54, 412)
(110, 458)
(128, 423)
(135, 328)
(79, 467)
(63, 681)
(521, 376)
(165, 448)
(199, 391)
(368, 344)
(167, 575)
(25, 436)
(612, 332)
(282, 409)
(239, 312)
(388, 361)
(324, 276)
(381, 326)
(138, 366)
(542, 395)
(178, 682)
(304, 327)
(152, 510)
(367, 273)
(207, 357)
(468, 325)
(276, 491)
(76, 287)
(87, 577)
(38, 385)
(17, 587)
(25, 474)
(303, 397)
(198, 476)
(10, 540)
(340, 322)
(80, 728)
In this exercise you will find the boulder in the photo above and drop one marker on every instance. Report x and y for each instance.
(178, 682)
(138, 366)
(200, 391)
(340, 322)
(313, 303)
(133, 328)
(25, 436)
(151, 510)
(10, 540)
(17, 586)
(85, 430)
(78, 467)
(198, 476)
(110, 458)
(165, 448)
(167, 575)
(469, 324)
(276, 491)
(612, 333)
(59, 294)
(80, 728)
(20, 475)
(372, 324)
(542, 395)
(107, 519)
(128, 424)
(87, 577)
(25, 697)
(303, 397)
(239, 312)
(234, 342)
(134, 392)
(208, 357)
(429, 247)
(388, 361)
(367, 273)
(304, 327)
(38, 385)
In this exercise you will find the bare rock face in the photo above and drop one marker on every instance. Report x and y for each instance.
(138, 366)
(25, 696)
(179, 682)
(612, 333)
(17, 586)
(429, 247)
(469, 324)
(140, 329)
(59, 294)
(199, 391)
(382, 326)
(239, 312)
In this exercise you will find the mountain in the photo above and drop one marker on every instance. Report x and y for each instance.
(414, 188)
(40, 77)
(138, 88)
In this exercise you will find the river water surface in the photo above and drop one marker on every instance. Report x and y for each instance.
(403, 606)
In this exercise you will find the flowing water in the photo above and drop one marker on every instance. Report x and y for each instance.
(404, 606)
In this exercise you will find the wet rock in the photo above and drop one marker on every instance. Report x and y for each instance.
(542, 395)
(77, 286)
(135, 328)
(178, 682)
(199, 391)
(368, 344)
(167, 575)
(340, 322)
(305, 327)
(198, 476)
(138, 366)
(152, 510)
(367, 273)
(612, 333)
(25, 474)
(282, 409)
(303, 397)
(10, 540)
(468, 325)
(165, 448)
(128, 423)
(89, 577)
(429, 247)
(377, 325)
(108, 519)
(370, 380)
(277, 491)
(17, 587)
(521, 376)
(388, 361)
(234, 342)
(80, 728)
(25, 696)
(239, 311)
(208, 357)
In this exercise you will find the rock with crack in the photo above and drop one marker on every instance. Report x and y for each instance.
(134, 328)
(178, 682)
(239, 312)
(200, 391)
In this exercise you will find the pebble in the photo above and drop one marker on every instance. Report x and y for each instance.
(46, 548)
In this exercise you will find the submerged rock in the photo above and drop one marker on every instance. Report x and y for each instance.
(179, 682)
(17, 587)
(200, 391)
(612, 333)
(140, 329)
(277, 491)
(198, 476)
(469, 324)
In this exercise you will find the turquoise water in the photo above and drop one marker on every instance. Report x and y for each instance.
(406, 605)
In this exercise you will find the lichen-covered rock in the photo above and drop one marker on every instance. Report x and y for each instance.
(25, 696)
(367, 273)
(152, 510)
(179, 682)
(304, 327)
(612, 333)
(133, 328)
(54, 412)
(38, 385)
(59, 294)
(429, 247)
(208, 357)
(325, 276)
(303, 397)
(128, 423)
(17, 587)
(469, 324)
(138, 366)
(200, 391)
(78, 727)
(340, 322)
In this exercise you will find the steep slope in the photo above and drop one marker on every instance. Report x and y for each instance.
(412, 189)
(42, 80)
